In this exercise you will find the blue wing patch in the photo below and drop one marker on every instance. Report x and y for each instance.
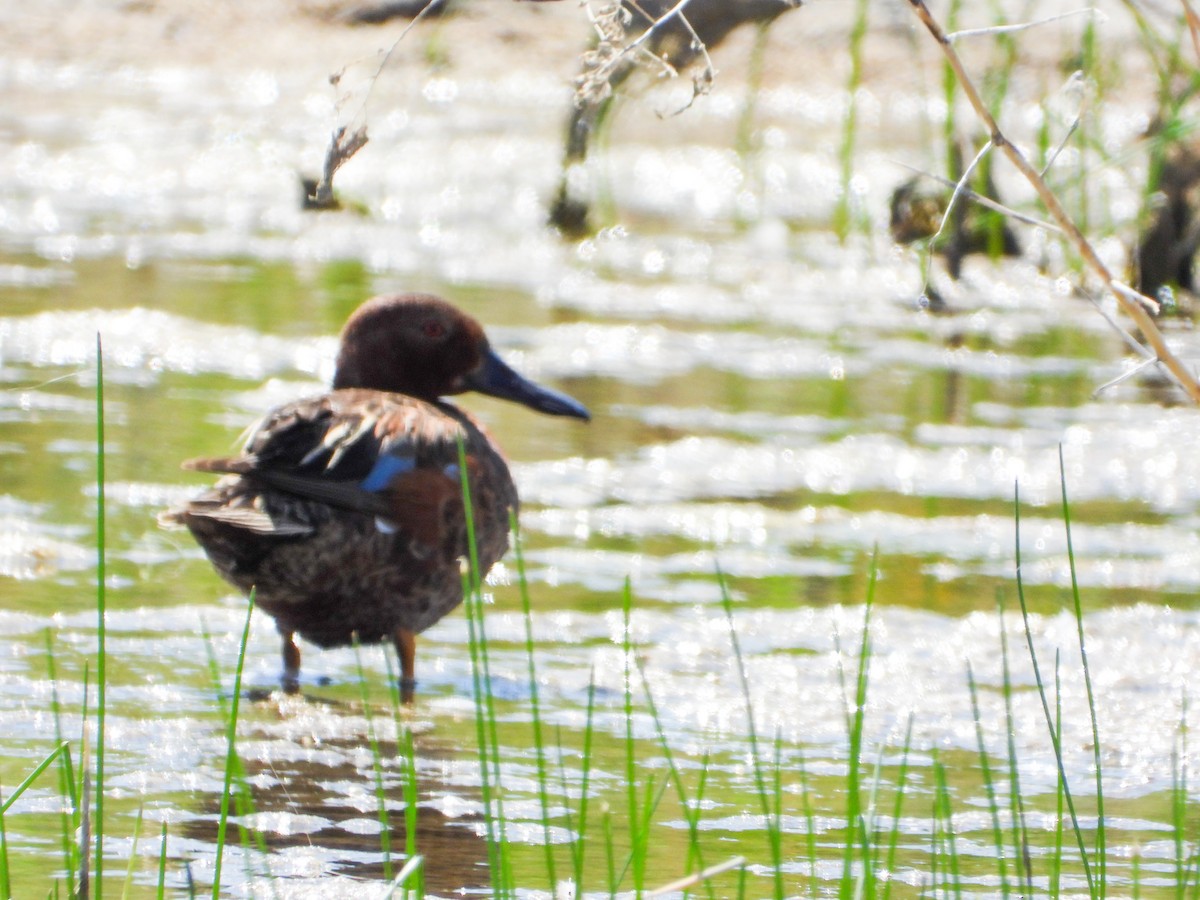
(387, 467)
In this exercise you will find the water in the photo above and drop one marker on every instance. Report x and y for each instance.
(767, 401)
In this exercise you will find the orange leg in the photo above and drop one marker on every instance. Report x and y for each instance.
(406, 649)
(291, 663)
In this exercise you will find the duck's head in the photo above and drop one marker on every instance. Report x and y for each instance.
(421, 346)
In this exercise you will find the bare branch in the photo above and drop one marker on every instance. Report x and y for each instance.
(1075, 79)
(980, 199)
(342, 147)
(345, 143)
(959, 188)
(604, 62)
(1193, 22)
(698, 878)
(1023, 26)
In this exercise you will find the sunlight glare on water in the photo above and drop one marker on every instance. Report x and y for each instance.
(770, 403)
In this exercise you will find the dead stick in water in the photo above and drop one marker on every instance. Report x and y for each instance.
(697, 877)
(1137, 306)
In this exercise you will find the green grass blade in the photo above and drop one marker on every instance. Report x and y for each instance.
(985, 770)
(162, 865)
(774, 839)
(63, 748)
(385, 844)
(243, 798)
(1179, 798)
(589, 732)
(610, 855)
(776, 821)
(480, 693)
(810, 827)
(897, 811)
(231, 757)
(691, 813)
(32, 776)
(485, 709)
(411, 813)
(535, 714)
(405, 740)
(137, 833)
(5, 885)
(639, 852)
(101, 616)
(944, 817)
(1101, 839)
(85, 810)
(1055, 738)
(856, 720)
(949, 94)
(843, 214)
(1020, 833)
(1056, 862)
(66, 778)
(637, 858)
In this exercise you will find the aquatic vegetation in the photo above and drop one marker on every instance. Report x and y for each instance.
(838, 711)
(647, 789)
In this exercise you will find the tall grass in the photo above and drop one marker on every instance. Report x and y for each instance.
(376, 766)
(231, 757)
(412, 874)
(101, 618)
(624, 843)
(844, 213)
(1053, 723)
(774, 838)
(615, 851)
(485, 709)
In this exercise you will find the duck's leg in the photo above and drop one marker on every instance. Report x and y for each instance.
(291, 663)
(406, 649)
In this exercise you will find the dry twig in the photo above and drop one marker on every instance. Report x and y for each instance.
(1193, 22)
(344, 142)
(342, 147)
(689, 881)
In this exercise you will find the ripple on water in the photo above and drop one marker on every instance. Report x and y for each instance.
(32, 548)
(949, 462)
(1140, 659)
(757, 542)
(153, 341)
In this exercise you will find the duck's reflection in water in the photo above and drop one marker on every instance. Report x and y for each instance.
(310, 799)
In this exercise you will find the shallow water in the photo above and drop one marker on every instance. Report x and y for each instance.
(768, 403)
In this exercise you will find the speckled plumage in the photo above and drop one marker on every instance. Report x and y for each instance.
(344, 511)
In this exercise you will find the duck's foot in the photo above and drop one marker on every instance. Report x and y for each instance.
(289, 682)
(406, 648)
(290, 679)
(408, 687)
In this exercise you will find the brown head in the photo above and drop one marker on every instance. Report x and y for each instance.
(421, 346)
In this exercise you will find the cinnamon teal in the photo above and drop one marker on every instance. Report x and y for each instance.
(344, 511)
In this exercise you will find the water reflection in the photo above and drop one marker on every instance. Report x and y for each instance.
(314, 801)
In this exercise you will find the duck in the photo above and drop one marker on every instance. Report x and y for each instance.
(344, 515)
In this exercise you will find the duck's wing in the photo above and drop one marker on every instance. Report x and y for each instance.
(384, 455)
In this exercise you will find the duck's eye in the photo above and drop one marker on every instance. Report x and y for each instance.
(433, 329)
